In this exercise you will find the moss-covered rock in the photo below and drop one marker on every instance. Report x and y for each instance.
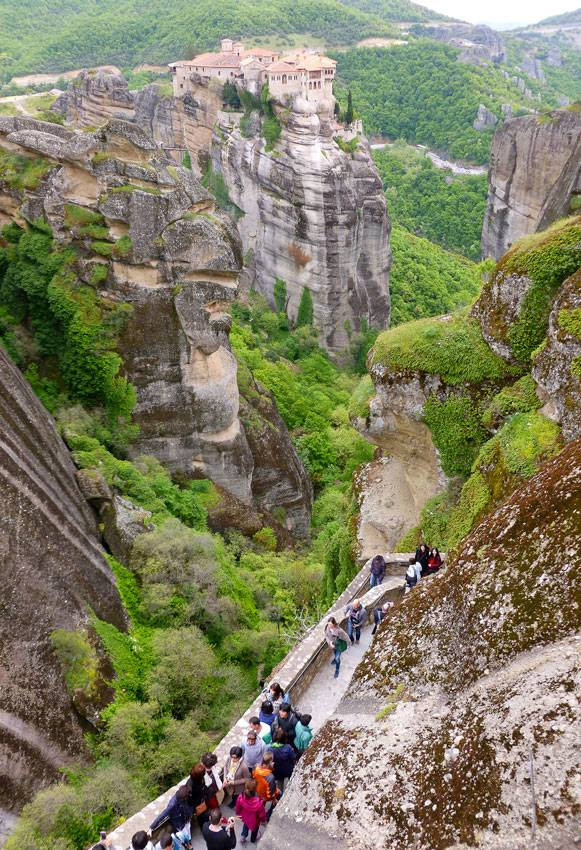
(514, 306)
(519, 397)
(557, 367)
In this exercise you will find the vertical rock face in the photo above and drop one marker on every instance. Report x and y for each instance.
(314, 216)
(174, 259)
(557, 369)
(52, 571)
(535, 171)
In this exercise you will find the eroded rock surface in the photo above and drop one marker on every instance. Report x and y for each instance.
(314, 216)
(94, 97)
(52, 572)
(474, 670)
(524, 197)
(557, 369)
(172, 258)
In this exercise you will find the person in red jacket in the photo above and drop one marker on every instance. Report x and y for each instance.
(250, 808)
(434, 561)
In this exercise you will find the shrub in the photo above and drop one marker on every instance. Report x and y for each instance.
(305, 312)
(456, 430)
(78, 659)
(359, 401)
(266, 538)
(184, 673)
(279, 293)
(518, 398)
(299, 255)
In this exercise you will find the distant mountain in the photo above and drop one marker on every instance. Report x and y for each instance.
(396, 10)
(566, 18)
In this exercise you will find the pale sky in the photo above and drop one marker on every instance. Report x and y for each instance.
(503, 13)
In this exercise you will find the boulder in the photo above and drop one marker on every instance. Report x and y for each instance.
(123, 522)
(93, 486)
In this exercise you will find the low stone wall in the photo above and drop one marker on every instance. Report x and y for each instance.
(294, 674)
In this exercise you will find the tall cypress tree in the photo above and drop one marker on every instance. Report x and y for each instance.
(305, 313)
(349, 110)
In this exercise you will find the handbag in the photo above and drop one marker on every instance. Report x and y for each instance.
(199, 810)
(341, 644)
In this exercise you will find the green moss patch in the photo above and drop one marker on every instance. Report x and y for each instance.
(570, 321)
(547, 258)
(525, 440)
(22, 172)
(360, 398)
(453, 348)
(457, 432)
(520, 397)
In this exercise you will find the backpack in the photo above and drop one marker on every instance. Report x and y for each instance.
(262, 786)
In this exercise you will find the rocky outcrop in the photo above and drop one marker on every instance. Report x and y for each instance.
(557, 368)
(313, 216)
(483, 660)
(485, 119)
(172, 258)
(478, 44)
(522, 198)
(53, 572)
(175, 124)
(94, 97)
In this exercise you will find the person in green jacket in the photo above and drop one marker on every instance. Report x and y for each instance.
(303, 734)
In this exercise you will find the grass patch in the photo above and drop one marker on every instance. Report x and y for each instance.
(22, 172)
(518, 398)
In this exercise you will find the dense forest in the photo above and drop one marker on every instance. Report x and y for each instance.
(432, 202)
(77, 34)
(421, 93)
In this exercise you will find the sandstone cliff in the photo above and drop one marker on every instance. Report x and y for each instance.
(95, 96)
(166, 252)
(470, 681)
(313, 216)
(52, 572)
(535, 172)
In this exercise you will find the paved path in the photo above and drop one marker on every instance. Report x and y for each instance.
(324, 694)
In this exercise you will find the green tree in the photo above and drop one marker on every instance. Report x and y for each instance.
(230, 95)
(187, 160)
(349, 110)
(305, 313)
(280, 295)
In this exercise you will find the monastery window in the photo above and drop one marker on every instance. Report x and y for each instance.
(284, 79)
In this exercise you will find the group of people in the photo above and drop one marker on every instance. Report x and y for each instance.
(254, 775)
(250, 783)
(426, 562)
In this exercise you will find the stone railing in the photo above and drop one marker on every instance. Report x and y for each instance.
(294, 674)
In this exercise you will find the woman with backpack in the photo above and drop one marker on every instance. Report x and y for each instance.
(284, 758)
(337, 638)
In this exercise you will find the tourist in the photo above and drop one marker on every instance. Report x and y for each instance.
(276, 696)
(140, 841)
(303, 734)
(356, 615)
(380, 614)
(213, 791)
(422, 557)
(337, 639)
(178, 811)
(266, 714)
(197, 791)
(266, 786)
(377, 571)
(262, 729)
(254, 749)
(434, 561)
(250, 808)
(284, 758)
(218, 833)
(412, 574)
(236, 773)
(286, 719)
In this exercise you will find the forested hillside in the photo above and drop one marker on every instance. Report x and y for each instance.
(395, 10)
(421, 93)
(76, 34)
(432, 202)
